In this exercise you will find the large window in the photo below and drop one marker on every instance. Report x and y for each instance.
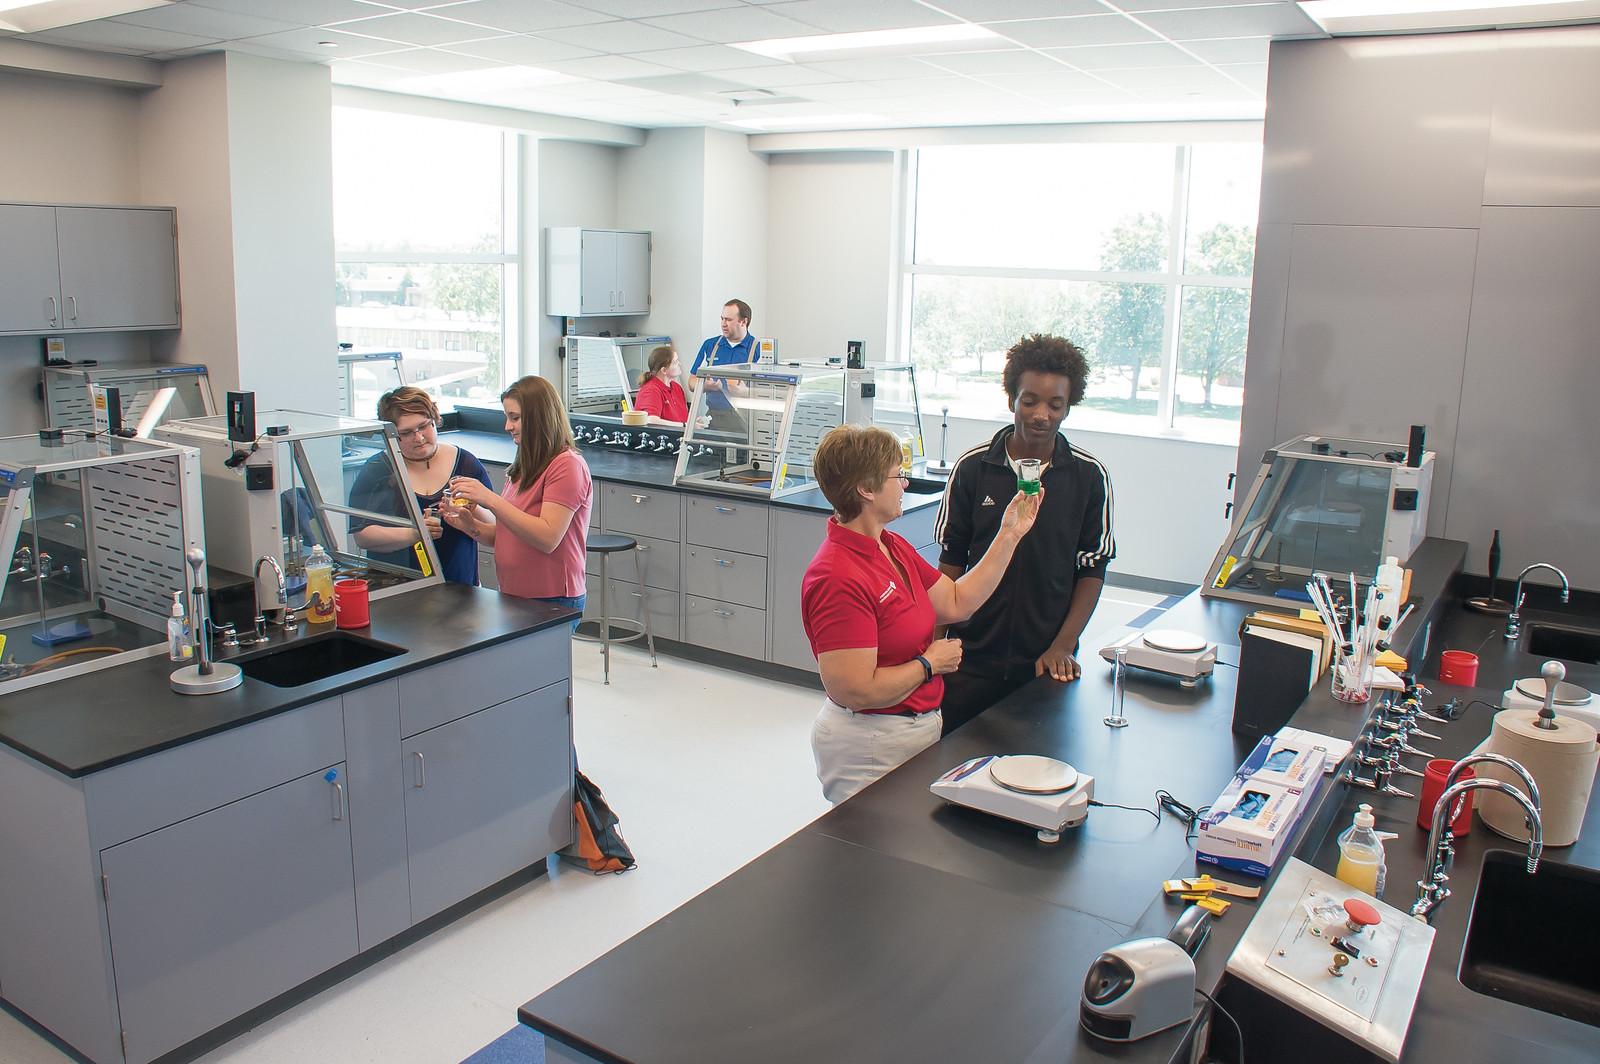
(425, 236)
(1140, 253)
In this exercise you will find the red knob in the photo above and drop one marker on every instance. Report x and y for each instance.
(1361, 914)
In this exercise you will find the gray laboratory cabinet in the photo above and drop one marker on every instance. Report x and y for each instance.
(87, 269)
(146, 904)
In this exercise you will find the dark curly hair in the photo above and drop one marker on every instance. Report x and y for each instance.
(1044, 353)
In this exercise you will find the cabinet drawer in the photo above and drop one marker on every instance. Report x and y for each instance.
(725, 626)
(728, 523)
(486, 573)
(639, 511)
(439, 693)
(627, 603)
(133, 798)
(658, 560)
(726, 575)
(213, 916)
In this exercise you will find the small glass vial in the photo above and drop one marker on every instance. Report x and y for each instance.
(1119, 671)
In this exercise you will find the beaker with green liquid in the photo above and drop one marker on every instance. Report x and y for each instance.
(1028, 476)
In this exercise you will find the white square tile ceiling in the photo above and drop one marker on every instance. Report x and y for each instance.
(672, 62)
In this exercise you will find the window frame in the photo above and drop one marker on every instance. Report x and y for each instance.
(1173, 279)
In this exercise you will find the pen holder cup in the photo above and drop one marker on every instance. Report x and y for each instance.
(1352, 677)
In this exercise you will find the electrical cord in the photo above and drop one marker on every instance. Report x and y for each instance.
(1237, 1030)
(1165, 800)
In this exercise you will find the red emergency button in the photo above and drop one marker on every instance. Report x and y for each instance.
(1361, 914)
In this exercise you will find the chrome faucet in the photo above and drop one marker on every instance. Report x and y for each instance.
(1493, 759)
(283, 597)
(1514, 622)
(1431, 888)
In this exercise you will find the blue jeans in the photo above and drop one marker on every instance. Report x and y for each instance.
(575, 601)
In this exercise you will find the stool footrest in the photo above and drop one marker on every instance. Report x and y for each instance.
(633, 630)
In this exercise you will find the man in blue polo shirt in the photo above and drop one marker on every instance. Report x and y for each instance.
(734, 346)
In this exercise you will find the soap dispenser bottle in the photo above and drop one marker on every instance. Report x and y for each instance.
(319, 586)
(180, 641)
(1361, 860)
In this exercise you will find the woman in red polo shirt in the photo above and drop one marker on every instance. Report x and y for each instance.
(660, 394)
(870, 603)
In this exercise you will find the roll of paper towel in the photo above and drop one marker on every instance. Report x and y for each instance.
(1561, 760)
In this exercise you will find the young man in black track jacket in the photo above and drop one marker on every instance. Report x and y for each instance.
(1031, 624)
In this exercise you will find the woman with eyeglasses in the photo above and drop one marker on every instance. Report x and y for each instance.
(539, 523)
(429, 467)
(870, 605)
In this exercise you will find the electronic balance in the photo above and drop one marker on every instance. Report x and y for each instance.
(1168, 650)
(1041, 792)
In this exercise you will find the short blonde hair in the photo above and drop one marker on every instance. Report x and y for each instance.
(406, 399)
(851, 457)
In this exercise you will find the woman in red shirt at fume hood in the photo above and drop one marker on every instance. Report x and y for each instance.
(660, 394)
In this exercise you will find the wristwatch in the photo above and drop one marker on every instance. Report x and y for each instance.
(927, 668)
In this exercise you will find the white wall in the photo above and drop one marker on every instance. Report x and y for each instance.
(830, 219)
(733, 263)
(280, 148)
(575, 184)
(64, 142)
(183, 161)
(660, 187)
(1429, 252)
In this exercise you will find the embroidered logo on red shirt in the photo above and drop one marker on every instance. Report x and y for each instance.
(886, 593)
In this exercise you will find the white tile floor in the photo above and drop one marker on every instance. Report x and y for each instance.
(668, 746)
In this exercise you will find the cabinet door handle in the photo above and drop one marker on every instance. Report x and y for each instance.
(642, 546)
(422, 773)
(1230, 480)
(723, 561)
(72, 302)
(723, 613)
(640, 498)
(622, 299)
(50, 301)
(726, 509)
(338, 801)
(1227, 511)
(637, 594)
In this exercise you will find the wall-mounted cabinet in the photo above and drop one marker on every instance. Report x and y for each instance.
(595, 272)
(87, 269)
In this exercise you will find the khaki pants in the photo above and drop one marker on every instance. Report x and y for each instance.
(854, 749)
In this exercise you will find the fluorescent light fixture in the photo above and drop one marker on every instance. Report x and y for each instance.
(906, 40)
(35, 16)
(1370, 16)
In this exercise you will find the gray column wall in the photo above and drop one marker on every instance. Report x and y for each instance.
(1429, 252)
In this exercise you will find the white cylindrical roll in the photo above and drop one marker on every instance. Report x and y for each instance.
(1562, 762)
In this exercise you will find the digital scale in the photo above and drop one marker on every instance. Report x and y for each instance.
(1041, 792)
(1570, 701)
(1166, 650)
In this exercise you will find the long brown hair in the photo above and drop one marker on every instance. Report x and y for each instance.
(660, 359)
(545, 429)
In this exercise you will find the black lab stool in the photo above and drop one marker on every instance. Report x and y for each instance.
(606, 544)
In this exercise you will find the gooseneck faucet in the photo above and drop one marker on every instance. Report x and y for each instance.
(283, 595)
(1432, 888)
(1493, 759)
(1514, 622)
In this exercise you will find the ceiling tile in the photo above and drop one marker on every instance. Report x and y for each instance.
(778, 76)
(1003, 61)
(356, 72)
(523, 49)
(1231, 49)
(678, 84)
(411, 28)
(854, 16)
(996, 10)
(204, 22)
(704, 57)
(1124, 56)
(1252, 75)
(305, 43)
(586, 89)
(644, 9)
(434, 61)
(880, 90)
(301, 12)
(881, 69)
(519, 16)
(736, 24)
(1171, 81)
(1035, 84)
(621, 36)
(1259, 20)
(129, 40)
(1074, 31)
(609, 66)
(1171, 5)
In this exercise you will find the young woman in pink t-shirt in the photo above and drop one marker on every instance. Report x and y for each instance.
(539, 523)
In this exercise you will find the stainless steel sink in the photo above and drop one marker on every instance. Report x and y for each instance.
(1558, 641)
(1524, 937)
(314, 658)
